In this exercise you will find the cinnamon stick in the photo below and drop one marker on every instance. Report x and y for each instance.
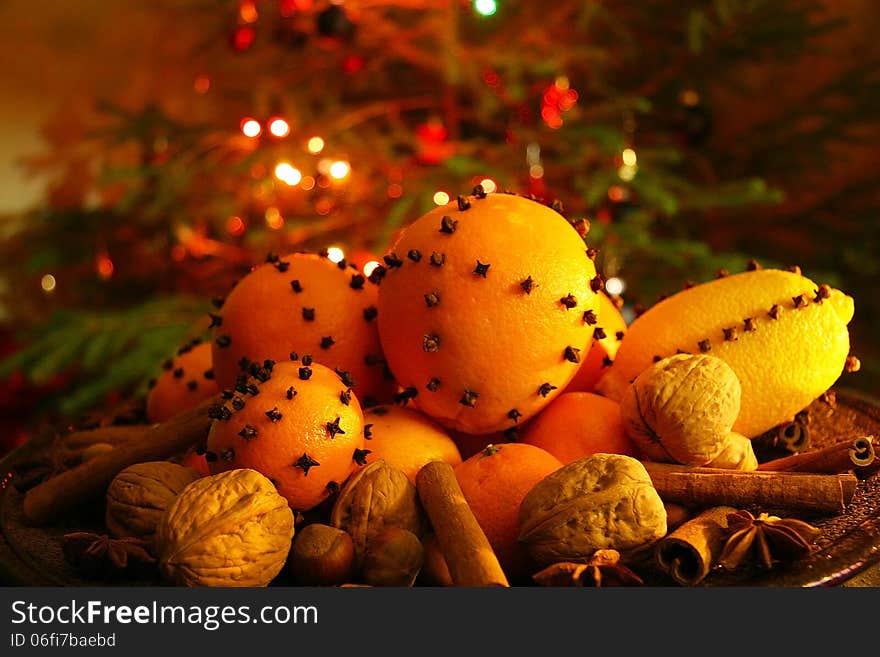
(795, 491)
(112, 435)
(859, 453)
(688, 553)
(469, 556)
(48, 500)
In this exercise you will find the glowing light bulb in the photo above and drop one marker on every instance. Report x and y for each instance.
(235, 226)
(315, 145)
(536, 171)
(615, 285)
(202, 84)
(48, 283)
(485, 7)
(335, 254)
(339, 169)
(627, 172)
(441, 197)
(251, 127)
(308, 183)
(629, 157)
(247, 10)
(104, 267)
(370, 266)
(288, 174)
(489, 185)
(279, 127)
(273, 218)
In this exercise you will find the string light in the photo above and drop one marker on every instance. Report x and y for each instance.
(315, 145)
(536, 171)
(287, 173)
(247, 11)
(250, 127)
(370, 266)
(202, 84)
(395, 190)
(615, 285)
(339, 169)
(485, 7)
(104, 266)
(335, 254)
(235, 226)
(441, 197)
(488, 185)
(273, 217)
(279, 127)
(308, 183)
(48, 283)
(629, 157)
(627, 172)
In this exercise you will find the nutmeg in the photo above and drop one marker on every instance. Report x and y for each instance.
(393, 557)
(682, 408)
(321, 556)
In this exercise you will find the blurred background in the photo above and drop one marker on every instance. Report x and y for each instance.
(152, 152)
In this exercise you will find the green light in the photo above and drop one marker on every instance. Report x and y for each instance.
(485, 7)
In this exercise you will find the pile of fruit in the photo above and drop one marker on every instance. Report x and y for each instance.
(486, 347)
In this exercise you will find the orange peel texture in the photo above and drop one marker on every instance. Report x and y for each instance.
(482, 319)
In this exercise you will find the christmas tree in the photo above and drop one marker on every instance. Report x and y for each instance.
(692, 136)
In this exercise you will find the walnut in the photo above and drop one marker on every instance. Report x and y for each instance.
(138, 495)
(378, 496)
(682, 408)
(738, 454)
(229, 529)
(602, 501)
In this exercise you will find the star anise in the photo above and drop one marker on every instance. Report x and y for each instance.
(98, 555)
(767, 538)
(603, 569)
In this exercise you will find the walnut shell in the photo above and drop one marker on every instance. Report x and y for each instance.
(682, 408)
(738, 454)
(229, 529)
(378, 496)
(601, 501)
(138, 496)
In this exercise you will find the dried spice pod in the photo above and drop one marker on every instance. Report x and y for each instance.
(681, 409)
(311, 307)
(599, 501)
(138, 496)
(514, 280)
(229, 529)
(374, 498)
(787, 358)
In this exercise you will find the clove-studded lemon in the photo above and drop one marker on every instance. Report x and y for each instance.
(484, 309)
(784, 336)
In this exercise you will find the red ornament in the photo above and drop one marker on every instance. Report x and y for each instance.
(242, 38)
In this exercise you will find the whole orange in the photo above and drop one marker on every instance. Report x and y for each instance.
(578, 424)
(187, 379)
(483, 315)
(406, 439)
(296, 423)
(494, 483)
(609, 328)
(303, 303)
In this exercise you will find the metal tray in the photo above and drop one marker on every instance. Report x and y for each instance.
(847, 552)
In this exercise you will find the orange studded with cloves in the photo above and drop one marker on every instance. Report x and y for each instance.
(303, 303)
(298, 424)
(490, 327)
